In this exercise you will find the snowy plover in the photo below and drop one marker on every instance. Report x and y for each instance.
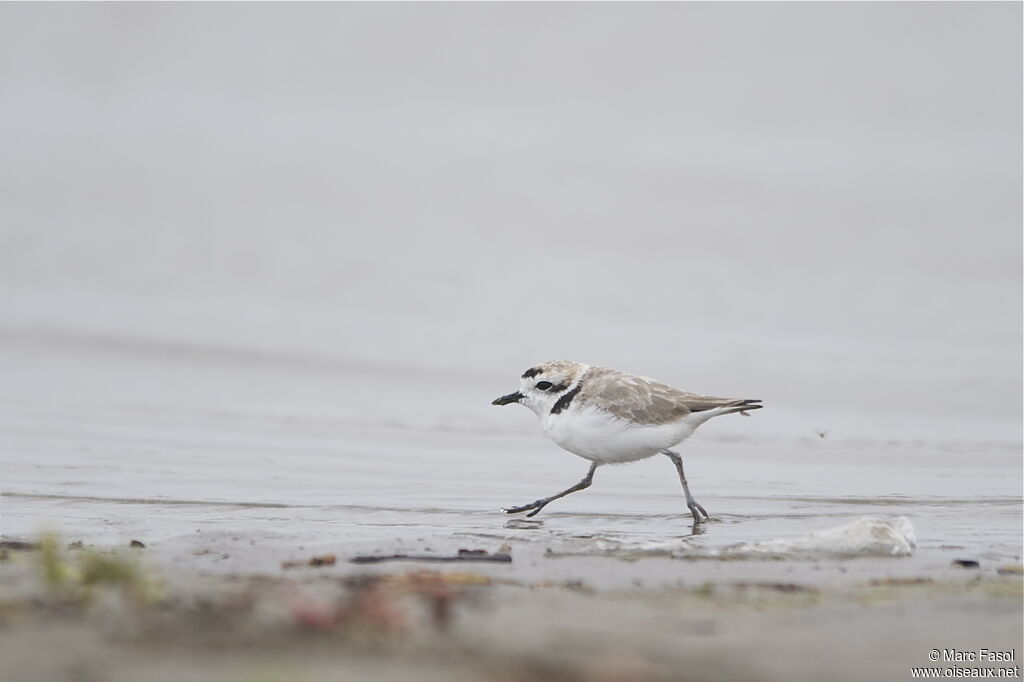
(610, 417)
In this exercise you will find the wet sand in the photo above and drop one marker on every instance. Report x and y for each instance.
(591, 618)
(612, 584)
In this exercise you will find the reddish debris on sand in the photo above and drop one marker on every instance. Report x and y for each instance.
(324, 560)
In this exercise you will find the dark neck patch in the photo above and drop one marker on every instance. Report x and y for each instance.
(565, 400)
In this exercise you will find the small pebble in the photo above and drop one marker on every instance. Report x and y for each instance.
(966, 563)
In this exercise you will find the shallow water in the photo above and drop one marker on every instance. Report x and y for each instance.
(128, 450)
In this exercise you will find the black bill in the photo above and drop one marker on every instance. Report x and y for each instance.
(506, 399)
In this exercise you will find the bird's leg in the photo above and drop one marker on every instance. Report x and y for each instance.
(691, 503)
(537, 505)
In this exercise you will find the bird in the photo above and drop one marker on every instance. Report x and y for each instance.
(610, 417)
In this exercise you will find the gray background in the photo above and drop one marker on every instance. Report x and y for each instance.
(816, 204)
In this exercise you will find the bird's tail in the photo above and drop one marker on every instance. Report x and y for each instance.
(742, 406)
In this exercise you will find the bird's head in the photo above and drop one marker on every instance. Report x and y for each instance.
(541, 386)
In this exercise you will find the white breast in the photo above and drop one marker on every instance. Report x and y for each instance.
(598, 436)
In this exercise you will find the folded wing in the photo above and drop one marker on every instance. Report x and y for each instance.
(649, 402)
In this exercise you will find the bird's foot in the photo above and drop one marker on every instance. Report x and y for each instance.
(535, 506)
(699, 515)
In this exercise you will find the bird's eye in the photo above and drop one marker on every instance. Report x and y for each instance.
(543, 385)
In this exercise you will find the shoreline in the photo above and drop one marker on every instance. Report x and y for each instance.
(540, 617)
